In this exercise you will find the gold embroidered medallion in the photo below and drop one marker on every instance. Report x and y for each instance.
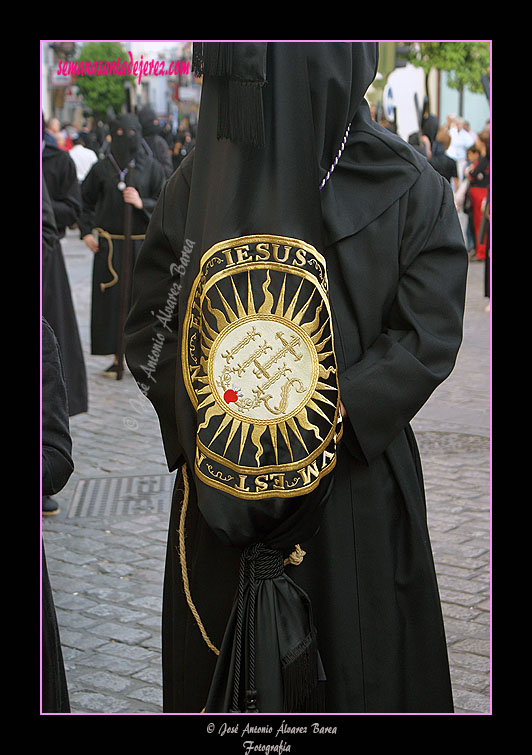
(259, 368)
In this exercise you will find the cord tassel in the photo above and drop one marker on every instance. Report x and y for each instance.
(257, 563)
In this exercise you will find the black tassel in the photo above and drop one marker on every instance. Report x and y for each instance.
(303, 692)
(240, 112)
(240, 115)
(212, 58)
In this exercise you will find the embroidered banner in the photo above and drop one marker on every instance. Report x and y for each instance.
(259, 366)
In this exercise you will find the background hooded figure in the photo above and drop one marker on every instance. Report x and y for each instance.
(288, 160)
(126, 174)
(153, 141)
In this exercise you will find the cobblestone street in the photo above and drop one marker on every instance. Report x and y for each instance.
(106, 548)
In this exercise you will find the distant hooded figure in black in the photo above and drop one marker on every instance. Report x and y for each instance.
(126, 174)
(153, 141)
(309, 586)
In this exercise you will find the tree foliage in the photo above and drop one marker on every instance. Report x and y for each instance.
(104, 91)
(466, 62)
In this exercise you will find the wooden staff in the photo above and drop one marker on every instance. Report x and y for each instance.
(125, 282)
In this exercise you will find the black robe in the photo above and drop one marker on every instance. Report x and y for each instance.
(397, 271)
(103, 208)
(61, 204)
(57, 466)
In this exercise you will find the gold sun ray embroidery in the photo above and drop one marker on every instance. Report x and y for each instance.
(284, 433)
(323, 386)
(206, 401)
(223, 424)
(290, 311)
(243, 436)
(292, 425)
(310, 327)
(256, 435)
(221, 320)
(239, 306)
(251, 303)
(234, 427)
(267, 305)
(273, 435)
(316, 338)
(230, 314)
(305, 423)
(318, 397)
(324, 372)
(212, 333)
(321, 346)
(213, 411)
(297, 319)
(280, 304)
(316, 408)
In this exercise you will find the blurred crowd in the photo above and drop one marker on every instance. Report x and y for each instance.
(459, 154)
(88, 142)
(462, 157)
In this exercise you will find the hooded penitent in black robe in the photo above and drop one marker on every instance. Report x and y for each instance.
(153, 141)
(61, 203)
(393, 261)
(103, 210)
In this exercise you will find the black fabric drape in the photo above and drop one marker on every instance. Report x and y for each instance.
(57, 466)
(60, 207)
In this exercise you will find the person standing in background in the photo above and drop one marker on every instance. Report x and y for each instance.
(105, 192)
(479, 180)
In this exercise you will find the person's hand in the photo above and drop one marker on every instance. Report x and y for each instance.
(342, 410)
(131, 196)
(425, 142)
(91, 242)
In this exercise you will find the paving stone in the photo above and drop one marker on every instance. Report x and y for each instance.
(147, 694)
(470, 702)
(95, 702)
(120, 632)
(107, 610)
(105, 680)
(150, 674)
(79, 640)
(135, 652)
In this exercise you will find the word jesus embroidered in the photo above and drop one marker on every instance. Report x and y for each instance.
(260, 369)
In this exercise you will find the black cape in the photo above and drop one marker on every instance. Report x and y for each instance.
(397, 269)
(61, 204)
(103, 208)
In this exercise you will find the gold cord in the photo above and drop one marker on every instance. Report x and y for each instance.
(110, 237)
(295, 558)
(183, 560)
